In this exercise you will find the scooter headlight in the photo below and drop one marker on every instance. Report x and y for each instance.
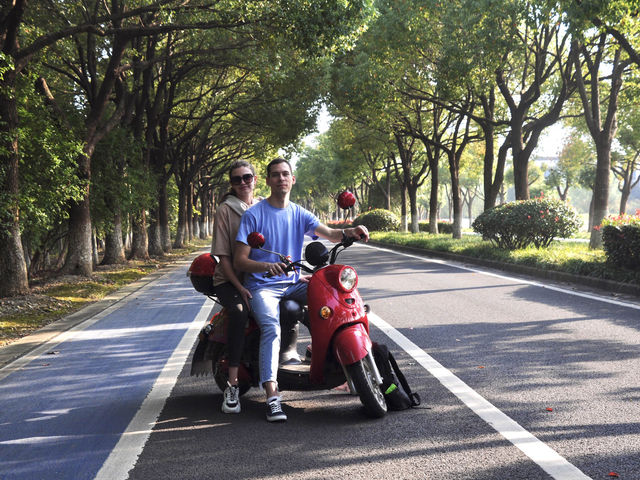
(348, 279)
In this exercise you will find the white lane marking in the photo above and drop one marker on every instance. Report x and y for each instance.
(513, 279)
(126, 452)
(543, 455)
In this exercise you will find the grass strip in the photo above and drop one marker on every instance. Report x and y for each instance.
(562, 256)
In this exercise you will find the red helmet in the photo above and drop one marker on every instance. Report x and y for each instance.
(346, 200)
(201, 273)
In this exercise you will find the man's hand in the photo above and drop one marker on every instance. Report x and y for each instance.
(335, 235)
(275, 269)
(357, 232)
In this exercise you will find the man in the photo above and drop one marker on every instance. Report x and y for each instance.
(283, 224)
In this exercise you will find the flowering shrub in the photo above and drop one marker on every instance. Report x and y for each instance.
(378, 220)
(527, 222)
(621, 240)
(339, 223)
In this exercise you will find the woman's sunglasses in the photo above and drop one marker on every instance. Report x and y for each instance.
(237, 180)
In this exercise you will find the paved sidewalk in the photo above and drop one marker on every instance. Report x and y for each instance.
(19, 348)
(70, 391)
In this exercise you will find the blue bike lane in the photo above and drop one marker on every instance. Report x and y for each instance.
(63, 413)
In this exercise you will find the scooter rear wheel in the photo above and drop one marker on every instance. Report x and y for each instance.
(222, 377)
(362, 374)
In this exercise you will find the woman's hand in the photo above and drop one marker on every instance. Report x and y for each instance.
(246, 295)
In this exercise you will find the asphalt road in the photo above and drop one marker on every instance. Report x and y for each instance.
(518, 380)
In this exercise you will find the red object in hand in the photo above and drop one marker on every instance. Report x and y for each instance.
(346, 200)
(255, 240)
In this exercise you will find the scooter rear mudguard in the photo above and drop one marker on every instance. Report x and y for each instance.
(351, 344)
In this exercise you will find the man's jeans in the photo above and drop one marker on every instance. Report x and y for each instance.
(266, 310)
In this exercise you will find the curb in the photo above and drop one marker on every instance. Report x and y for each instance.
(19, 348)
(607, 286)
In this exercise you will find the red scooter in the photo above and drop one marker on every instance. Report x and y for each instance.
(336, 316)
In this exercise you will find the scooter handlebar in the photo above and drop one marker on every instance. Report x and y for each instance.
(290, 268)
(348, 241)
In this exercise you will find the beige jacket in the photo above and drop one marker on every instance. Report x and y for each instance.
(227, 222)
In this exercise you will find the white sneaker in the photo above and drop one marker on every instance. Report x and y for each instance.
(274, 411)
(231, 402)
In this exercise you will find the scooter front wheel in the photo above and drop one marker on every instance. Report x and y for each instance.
(362, 375)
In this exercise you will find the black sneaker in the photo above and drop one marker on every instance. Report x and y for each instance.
(274, 411)
(231, 402)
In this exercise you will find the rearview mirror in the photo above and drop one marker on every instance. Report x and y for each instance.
(316, 254)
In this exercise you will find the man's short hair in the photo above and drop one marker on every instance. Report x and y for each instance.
(276, 161)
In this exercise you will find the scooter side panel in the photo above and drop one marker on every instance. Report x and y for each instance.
(321, 292)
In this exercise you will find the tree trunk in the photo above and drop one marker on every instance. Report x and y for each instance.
(181, 233)
(413, 206)
(163, 217)
(600, 190)
(602, 130)
(624, 198)
(140, 242)
(79, 259)
(403, 209)
(492, 181)
(113, 246)
(520, 163)
(94, 249)
(204, 213)
(456, 198)
(433, 201)
(13, 269)
(155, 240)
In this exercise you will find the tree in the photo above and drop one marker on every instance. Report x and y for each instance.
(616, 18)
(94, 52)
(625, 164)
(535, 80)
(601, 118)
(576, 155)
(471, 171)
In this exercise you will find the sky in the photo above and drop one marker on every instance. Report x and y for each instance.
(549, 145)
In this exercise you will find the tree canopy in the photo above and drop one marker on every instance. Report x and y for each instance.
(119, 119)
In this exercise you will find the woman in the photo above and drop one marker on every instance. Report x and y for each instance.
(227, 282)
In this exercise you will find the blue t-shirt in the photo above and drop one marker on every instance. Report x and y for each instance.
(283, 230)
